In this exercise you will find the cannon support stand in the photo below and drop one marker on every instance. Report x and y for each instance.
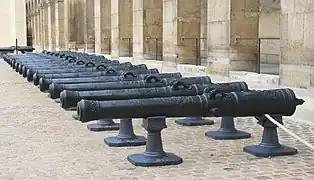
(270, 146)
(194, 121)
(126, 136)
(227, 131)
(103, 125)
(154, 154)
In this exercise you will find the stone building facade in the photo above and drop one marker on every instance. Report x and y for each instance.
(219, 34)
(13, 24)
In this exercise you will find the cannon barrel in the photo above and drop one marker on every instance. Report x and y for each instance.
(69, 99)
(85, 69)
(149, 82)
(88, 69)
(44, 62)
(213, 104)
(28, 71)
(44, 82)
(79, 63)
(109, 72)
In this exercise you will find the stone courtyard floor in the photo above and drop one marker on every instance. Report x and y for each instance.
(39, 140)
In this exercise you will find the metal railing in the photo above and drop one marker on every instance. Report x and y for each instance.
(198, 60)
(258, 64)
(108, 41)
(156, 46)
(129, 45)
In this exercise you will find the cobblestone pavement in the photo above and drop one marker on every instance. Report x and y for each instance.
(40, 141)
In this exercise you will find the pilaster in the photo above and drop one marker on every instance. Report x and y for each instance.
(51, 25)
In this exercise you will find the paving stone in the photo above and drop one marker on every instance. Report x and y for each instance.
(39, 140)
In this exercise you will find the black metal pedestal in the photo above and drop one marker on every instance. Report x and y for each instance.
(154, 154)
(227, 131)
(103, 125)
(75, 117)
(270, 145)
(194, 121)
(126, 136)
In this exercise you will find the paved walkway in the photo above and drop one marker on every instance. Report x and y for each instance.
(40, 141)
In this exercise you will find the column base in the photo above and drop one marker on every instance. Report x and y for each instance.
(296, 76)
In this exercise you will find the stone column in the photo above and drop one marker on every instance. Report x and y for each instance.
(181, 26)
(126, 28)
(98, 36)
(121, 28)
(38, 32)
(42, 26)
(138, 26)
(51, 25)
(297, 45)
(227, 21)
(102, 26)
(89, 36)
(203, 33)
(59, 25)
(28, 25)
(31, 15)
(78, 21)
(34, 32)
(45, 26)
(147, 23)
(66, 12)
(115, 37)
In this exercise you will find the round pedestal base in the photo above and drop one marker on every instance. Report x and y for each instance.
(148, 161)
(75, 117)
(192, 121)
(222, 135)
(116, 141)
(264, 151)
(103, 127)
